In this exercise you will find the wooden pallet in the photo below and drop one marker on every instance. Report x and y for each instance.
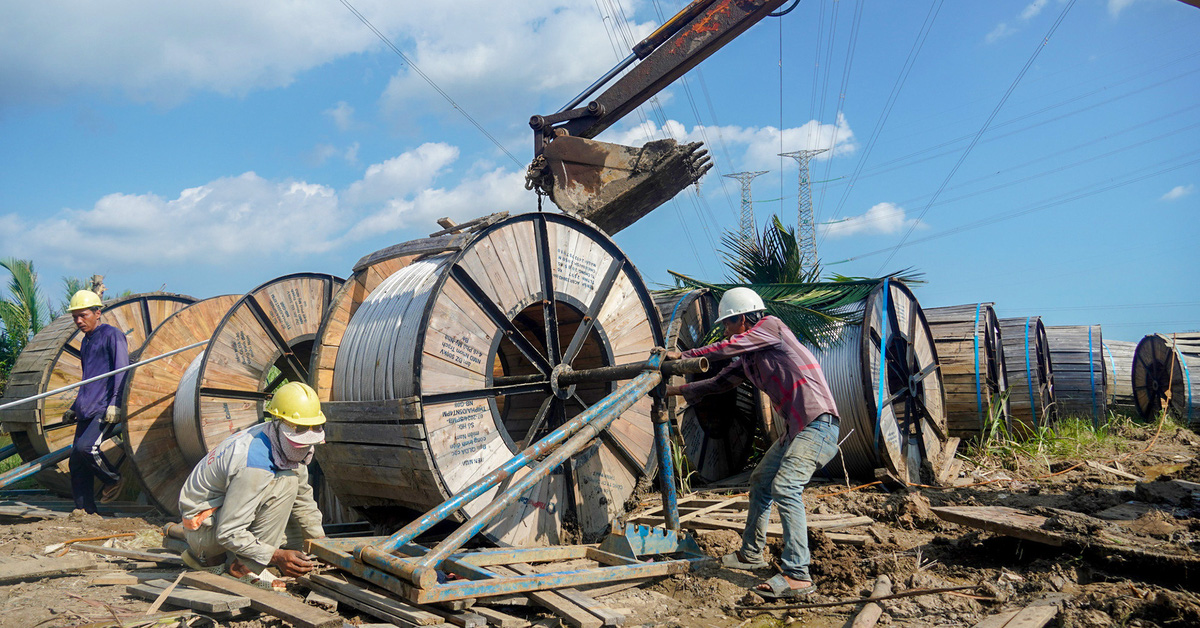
(697, 513)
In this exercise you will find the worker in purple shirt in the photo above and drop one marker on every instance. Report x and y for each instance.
(766, 352)
(97, 406)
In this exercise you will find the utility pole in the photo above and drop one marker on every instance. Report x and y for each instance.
(746, 226)
(805, 223)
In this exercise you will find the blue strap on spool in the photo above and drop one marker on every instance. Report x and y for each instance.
(882, 363)
(978, 392)
(1187, 382)
(1092, 375)
(1029, 374)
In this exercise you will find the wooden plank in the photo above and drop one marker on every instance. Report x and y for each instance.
(170, 559)
(363, 607)
(1035, 616)
(364, 594)
(195, 599)
(497, 618)
(1002, 520)
(571, 613)
(132, 577)
(30, 569)
(278, 605)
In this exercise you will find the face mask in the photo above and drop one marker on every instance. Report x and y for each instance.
(314, 435)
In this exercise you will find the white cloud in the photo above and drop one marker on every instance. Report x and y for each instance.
(883, 218)
(1178, 192)
(753, 148)
(342, 115)
(1033, 9)
(1001, 31)
(241, 220)
(1116, 6)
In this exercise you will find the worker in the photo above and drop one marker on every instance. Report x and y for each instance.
(97, 407)
(248, 504)
(766, 353)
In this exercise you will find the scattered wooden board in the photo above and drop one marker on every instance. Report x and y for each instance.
(1002, 520)
(33, 568)
(195, 599)
(569, 612)
(278, 605)
(502, 620)
(1129, 511)
(169, 559)
(363, 594)
(131, 577)
(1028, 617)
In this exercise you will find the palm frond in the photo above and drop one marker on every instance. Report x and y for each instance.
(24, 292)
(775, 257)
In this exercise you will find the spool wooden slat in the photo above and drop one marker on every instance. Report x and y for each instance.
(51, 360)
(1030, 371)
(514, 298)
(1118, 356)
(151, 444)
(718, 431)
(1080, 376)
(1168, 365)
(971, 358)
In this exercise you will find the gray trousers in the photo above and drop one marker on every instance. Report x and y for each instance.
(273, 525)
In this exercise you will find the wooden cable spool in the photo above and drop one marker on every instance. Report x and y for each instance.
(51, 360)
(1167, 366)
(1029, 368)
(718, 431)
(888, 389)
(1080, 377)
(150, 443)
(417, 413)
(1118, 356)
(970, 352)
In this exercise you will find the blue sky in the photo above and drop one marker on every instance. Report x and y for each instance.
(207, 147)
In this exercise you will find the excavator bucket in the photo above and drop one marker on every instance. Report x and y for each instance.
(613, 185)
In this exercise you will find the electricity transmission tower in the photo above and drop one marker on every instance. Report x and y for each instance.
(805, 223)
(746, 226)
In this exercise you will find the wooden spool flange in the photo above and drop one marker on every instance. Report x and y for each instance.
(970, 352)
(1080, 377)
(718, 431)
(1030, 374)
(1163, 363)
(415, 416)
(51, 360)
(150, 443)
(907, 431)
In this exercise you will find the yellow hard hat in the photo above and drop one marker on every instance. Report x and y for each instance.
(297, 403)
(84, 300)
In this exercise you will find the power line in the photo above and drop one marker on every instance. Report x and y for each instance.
(432, 84)
(1003, 99)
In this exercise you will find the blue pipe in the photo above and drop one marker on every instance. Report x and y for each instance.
(30, 468)
(666, 466)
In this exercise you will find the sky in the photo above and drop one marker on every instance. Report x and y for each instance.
(1041, 155)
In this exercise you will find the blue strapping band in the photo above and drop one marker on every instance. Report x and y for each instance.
(1092, 375)
(1029, 374)
(1187, 381)
(882, 363)
(978, 391)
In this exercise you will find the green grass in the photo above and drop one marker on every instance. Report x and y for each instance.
(10, 463)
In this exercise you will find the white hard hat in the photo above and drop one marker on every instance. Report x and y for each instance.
(738, 301)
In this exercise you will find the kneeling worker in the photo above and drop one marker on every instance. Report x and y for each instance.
(250, 496)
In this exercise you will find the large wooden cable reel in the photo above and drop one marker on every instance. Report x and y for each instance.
(971, 354)
(150, 443)
(718, 430)
(1080, 375)
(456, 351)
(51, 360)
(889, 392)
(1166, 376)
(1118, 356)
(1030, 373)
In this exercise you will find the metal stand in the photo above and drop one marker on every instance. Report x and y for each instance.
(417, 573)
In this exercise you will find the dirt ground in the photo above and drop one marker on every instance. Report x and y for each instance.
(912, 546)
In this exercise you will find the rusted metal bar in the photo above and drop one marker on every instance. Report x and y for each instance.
(594, 419)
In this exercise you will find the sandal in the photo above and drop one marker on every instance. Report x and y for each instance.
(781, 589)
(734, 561)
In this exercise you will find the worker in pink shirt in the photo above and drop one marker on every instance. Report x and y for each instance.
(767, 353)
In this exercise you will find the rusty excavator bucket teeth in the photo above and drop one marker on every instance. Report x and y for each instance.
(614, 185)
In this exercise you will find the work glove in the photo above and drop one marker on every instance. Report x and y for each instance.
(68, 416)
(112, 415)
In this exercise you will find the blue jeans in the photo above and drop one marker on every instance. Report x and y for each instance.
(781, 476)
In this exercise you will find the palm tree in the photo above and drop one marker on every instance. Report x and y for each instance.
(772, 266)
(23, 312)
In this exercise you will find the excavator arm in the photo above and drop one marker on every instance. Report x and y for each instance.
(613, 185)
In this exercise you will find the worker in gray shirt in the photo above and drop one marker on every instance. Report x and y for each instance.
(249, 498)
